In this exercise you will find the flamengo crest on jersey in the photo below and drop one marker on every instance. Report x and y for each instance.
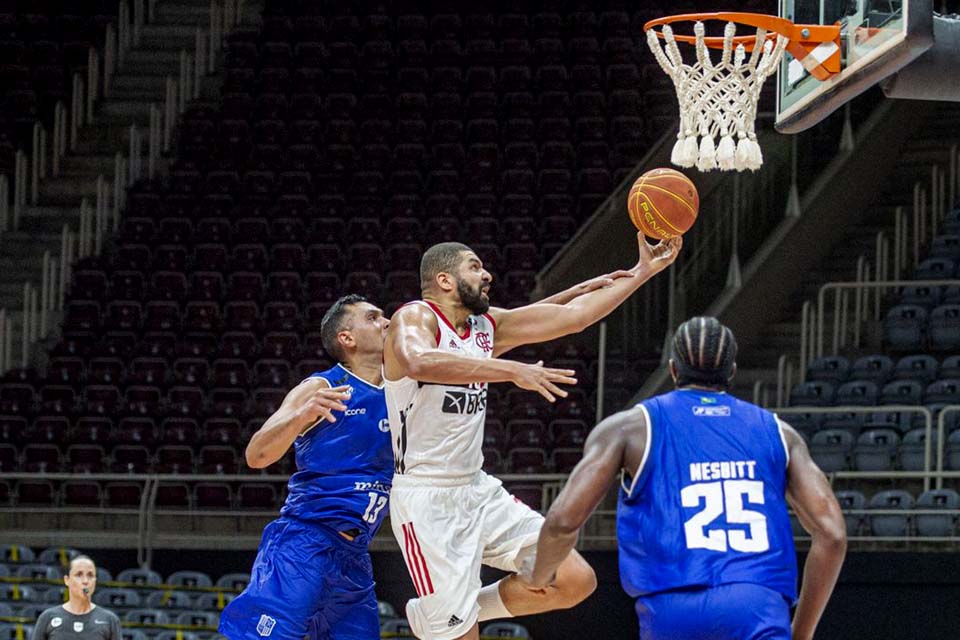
(437, 429)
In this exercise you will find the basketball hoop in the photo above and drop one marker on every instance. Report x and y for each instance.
(718, 101)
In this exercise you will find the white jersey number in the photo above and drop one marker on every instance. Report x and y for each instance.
(719, 497)
(377, 503)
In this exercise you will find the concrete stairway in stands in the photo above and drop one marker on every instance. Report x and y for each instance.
(758, 358)
(136, 85)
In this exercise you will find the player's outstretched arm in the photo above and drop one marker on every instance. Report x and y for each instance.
(541, 322)
(581, 288)
(307, 403)
(410, 350)
(603, 458)
(809, 493)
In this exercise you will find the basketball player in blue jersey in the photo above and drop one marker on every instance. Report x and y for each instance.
(702, 525)
(312, 573)
(312, 576)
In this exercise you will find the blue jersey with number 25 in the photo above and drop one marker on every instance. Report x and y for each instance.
(707, 506)
(345, 468)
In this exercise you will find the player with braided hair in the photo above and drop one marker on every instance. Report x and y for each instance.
(706, 547)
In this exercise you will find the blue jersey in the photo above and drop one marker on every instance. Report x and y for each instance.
(707, 506)
(344, 468)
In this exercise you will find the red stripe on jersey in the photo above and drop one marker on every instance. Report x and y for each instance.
(436, 310)
(492, 321)
(412, 561)
(426, 571)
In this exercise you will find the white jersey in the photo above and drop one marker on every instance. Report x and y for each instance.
(437, 429)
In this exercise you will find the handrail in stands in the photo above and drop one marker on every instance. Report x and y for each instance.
(941, 429)
(147, 514)
(4, 331)
(840, 311)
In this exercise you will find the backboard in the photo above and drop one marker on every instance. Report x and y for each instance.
(878, 38)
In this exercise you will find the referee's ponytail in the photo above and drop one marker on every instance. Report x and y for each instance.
(704, 353)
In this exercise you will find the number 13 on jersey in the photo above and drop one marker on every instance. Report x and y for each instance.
(719, 498)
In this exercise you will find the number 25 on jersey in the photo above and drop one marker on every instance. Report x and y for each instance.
(719, 498)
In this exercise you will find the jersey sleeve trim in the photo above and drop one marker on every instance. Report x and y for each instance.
(783, 438)
(493, 322)
(646, 454)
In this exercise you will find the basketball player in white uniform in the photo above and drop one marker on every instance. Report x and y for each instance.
(447, 514)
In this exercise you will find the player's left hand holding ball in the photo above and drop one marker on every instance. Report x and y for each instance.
(657, 257)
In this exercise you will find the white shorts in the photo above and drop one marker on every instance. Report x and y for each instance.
(446, 530)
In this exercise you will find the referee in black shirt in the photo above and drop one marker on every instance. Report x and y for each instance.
(78, 618)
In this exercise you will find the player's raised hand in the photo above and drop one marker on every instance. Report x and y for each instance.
(323, 402)
(658, 257)
(543, 380)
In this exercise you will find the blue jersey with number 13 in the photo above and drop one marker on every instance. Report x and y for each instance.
(707, 506)
(345, 468)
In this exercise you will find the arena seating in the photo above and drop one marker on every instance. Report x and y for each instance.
(185, 605)
(342, 142)
(42, 44)
(920, 367)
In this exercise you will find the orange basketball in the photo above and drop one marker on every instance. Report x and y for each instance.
(663, 203)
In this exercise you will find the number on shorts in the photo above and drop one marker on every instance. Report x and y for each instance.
(377, 503)
(726, 496)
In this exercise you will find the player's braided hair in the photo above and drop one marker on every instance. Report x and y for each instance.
(444, 257)
(333, 322)
(704, 352)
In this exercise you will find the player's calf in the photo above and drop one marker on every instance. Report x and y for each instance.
(575, 581)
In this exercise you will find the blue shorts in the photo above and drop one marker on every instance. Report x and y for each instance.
(738, 611)
(308, 583)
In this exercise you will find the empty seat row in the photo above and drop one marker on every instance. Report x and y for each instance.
(880, 368)
(820, 393)
(933, 514)
(318, 232)
(94, 458)
(127, 495)
(857, 419)
(881, 450)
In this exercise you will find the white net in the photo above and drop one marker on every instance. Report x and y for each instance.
(718, 102)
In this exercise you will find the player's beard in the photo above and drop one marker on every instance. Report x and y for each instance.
(472, 298)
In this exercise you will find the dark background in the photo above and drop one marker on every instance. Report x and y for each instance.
(881, 595)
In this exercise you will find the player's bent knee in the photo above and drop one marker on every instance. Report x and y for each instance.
(576, 580)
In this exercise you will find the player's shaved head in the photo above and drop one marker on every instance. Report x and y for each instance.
(334, 321)
(444, 257)
(704, 353)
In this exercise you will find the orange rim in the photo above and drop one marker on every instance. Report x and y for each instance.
(772, 24)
